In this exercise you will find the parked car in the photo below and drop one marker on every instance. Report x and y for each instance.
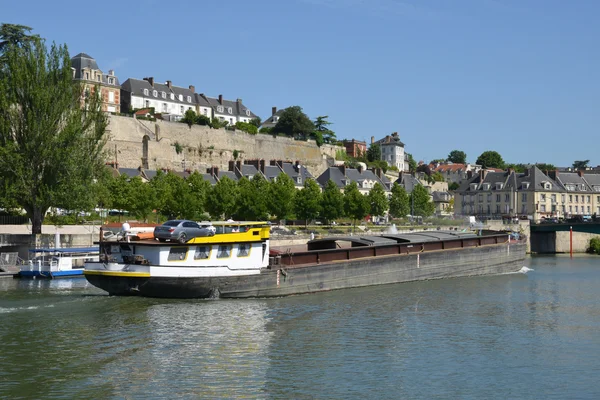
(181, 230)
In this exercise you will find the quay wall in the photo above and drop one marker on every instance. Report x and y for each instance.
(133, 142)
(559, 242)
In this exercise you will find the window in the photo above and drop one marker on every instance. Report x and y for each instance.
(507, 197)
(248, 112)
(243, 250)
(181, 109)
(202, 252)
(146, 93)
(230, 121)
(523, 209)
(111, 81)
(480, 198)
(543, 208)
(165, 107)
(230, 110)
(523, 197)
(589, 199)
(576, 198)
(177, 254)
(154, 93)
(189, 99)
(489, 197)
(576, 209)
(553, 198)
(87, 75)
(570, 198)
(111, 96)
(562, 198)
(498, 198)
(542, 196)
(220, 108)
(224, 251)
(172, 96)
(588, 209)
(164, 95)
(497, 208)
(180, 97)
(205, 111)
(99, 78)
(147, 103)
(570, 208)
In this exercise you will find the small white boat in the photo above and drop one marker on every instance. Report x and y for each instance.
(58, 262)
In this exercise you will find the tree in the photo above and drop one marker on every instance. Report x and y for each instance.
(141, 198)
(281, 196)
(412, 164)
(437, 177)
(246, 127)
(190, 117)
(374, 152)
(222, 199)
(457, 157)
(378, 200)
(203, 120)
(50, 146)
(453, 186)
(252, 199)
(516, 167)
(198, 190)
(421, 203)
(321, 125)
(546, 166)
(14, 35)
(581, 164)
(490, 159)
(399, 206)
(307, 202)
(332, 203)
(438, 161)
(356, 205)
(294, 123)
(217, 123)
(256, 121)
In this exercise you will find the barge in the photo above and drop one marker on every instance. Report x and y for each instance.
(241, 264)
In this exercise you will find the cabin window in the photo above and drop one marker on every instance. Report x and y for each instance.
(177, 254)
(202, 253)
(243, 250)
(224, 251)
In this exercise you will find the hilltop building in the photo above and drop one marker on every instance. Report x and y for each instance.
(86, 70)
(392, 151)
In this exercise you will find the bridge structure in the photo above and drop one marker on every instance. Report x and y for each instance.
(564, 237)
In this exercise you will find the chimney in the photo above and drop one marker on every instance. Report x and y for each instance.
(239, 101)
(553, 174)
(232, 166)
(580, 173)
(342, 169)
(273, 110)
(262, 165)
(111, 72)
(169, 84)
(192, 88)
(359, 169)
(297, 166)
(469, 174)
(482, 174)
(255, 163)
(214, 171)
(395, 134)
(527, 172)
(150, 80)
(221, 99)
(238, 165)
(372, 139)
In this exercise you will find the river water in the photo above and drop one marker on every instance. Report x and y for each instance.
(516, 336)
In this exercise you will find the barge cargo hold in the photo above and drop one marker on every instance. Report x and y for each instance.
(241, 265)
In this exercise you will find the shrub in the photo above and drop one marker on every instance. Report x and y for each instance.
(594, 245)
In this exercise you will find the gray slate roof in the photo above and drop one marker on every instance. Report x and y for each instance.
(83, 60)
(352, 175)
(136, 88)
(531, 180)
(237, 107)
(408, 182)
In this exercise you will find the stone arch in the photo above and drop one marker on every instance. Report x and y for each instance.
(145, 141)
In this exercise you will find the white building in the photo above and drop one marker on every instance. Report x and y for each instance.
(392, 151)
(225, 110)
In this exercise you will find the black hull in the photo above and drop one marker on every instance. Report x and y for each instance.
(289, 280)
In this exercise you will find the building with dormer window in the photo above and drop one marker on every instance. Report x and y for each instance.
(86, 70)
(226, 110)
(392, 151)
(365, 178)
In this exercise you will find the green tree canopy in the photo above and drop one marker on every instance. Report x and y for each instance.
(399, 207)
(321, 126)
(222, 199)
(421, 202)
(294, 123)
(356, 205)
(457, 157)
(141, 198)
(256, 121)
(490, 159)
(281, 197)
(580, 164)
(332, 203)
(453, 186)
(252, 199)
(374, 152)
(50, 146)
(377, 200)
(199, 188)
(412, 164)
(517, 167)
(14, 35)
(307, 202)
(190, 117)
(546, 166)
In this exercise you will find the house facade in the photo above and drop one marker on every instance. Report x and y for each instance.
(225, 110)
(86, 70)
(355, 148)
(455, 173)
(342, 176)
(392, 151)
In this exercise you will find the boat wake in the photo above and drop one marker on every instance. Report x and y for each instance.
(525, 270)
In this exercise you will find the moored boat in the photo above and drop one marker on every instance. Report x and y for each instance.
(241, 264)
(59, 262)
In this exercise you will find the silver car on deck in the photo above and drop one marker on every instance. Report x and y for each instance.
(181, 230)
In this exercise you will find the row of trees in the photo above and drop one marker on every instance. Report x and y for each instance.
(254, 199)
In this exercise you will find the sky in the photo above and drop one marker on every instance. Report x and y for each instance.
(520, 77)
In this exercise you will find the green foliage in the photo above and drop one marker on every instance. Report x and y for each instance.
(580, 164)
(216, 123)
(399, 202)
(356, 205)
(140, 198)
(546, 167)
(235, 154)
(178, 147)
(321, 126)
(453, 186)
(490, 159)
(189, 118)
(421, 202)
(265, 130)
(437, 177)
(281, 196)
(203, 120)
(50, 146)
(14, 35)
(294, 123)
(517, 167)
(594, 246)
(457, 157)
(318, 136)
(333, 202)
(307, 202)
(222, 199)
(247, 127)
(342, 155)
(252, 199)
(438, 161)
(198, 190)
(378, 200)
(256, 122)
(374, 152)
(412, 164)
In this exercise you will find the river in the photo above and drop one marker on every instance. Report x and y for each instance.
(516, 336)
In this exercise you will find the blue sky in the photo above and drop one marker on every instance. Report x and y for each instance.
(517, 76)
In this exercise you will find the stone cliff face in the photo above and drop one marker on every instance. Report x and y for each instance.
(154, 145)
